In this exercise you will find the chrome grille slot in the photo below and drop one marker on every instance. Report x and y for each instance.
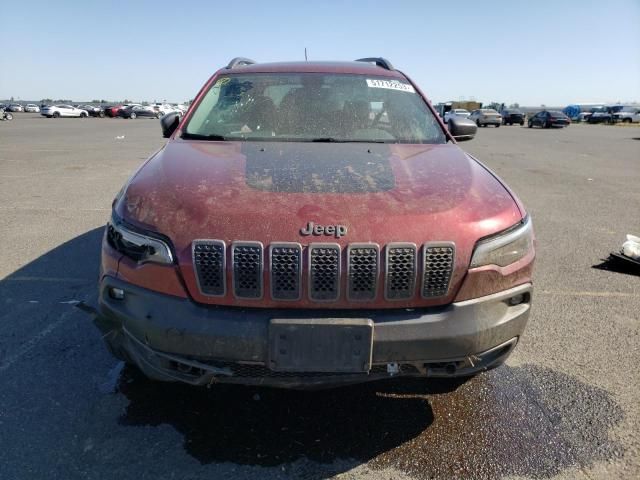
(286, 271)
(209, 260)
(247, 269)
(400, 271)
(324, 271)
(362, 271)
(437, 268)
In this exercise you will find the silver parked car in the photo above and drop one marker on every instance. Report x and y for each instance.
(32, 108)
(486, 116)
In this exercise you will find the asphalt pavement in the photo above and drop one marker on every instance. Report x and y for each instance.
(564, 406)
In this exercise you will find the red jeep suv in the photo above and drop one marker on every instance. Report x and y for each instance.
(312, 224)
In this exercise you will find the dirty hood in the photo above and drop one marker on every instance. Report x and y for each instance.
(269, 191)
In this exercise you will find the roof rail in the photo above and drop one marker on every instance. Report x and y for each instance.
(240, 62)
(379, 61)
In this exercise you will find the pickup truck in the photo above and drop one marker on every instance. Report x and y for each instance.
(627, 115)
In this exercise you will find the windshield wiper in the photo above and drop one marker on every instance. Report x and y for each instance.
(196, 136)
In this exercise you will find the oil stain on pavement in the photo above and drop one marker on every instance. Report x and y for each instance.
(529, 421)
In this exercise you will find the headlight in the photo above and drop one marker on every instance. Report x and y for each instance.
(137, 246)
(505, 248)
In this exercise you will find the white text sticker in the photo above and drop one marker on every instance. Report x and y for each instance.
(390, 84)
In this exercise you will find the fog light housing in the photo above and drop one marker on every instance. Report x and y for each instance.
(116, 293)
(516, 300)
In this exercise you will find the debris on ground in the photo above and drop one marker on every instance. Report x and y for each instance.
(631, 248)
(629, 253)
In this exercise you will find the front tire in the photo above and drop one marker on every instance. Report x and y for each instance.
(101, 114)
(497, 125)
(132, 116)
(56, 115)
(8, 117)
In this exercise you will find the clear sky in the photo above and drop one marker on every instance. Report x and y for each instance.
(530, 52)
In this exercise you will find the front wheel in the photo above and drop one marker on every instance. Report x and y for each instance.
(478, 123)
(522, 124)
(101, 114)
(497, 125)
(56, 115)
(530, 124)
(132, 116)
(159, 115)
(8, 116)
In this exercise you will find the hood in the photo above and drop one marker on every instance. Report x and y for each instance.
(269, 191)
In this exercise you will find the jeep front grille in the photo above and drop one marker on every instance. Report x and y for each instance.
(362, 268)
(401, 271)
(324, 272)
(209, 259)
(437, 267)
(286, 270)
(367, 271)
(247, 269)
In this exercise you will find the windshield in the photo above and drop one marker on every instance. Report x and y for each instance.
(313, 107)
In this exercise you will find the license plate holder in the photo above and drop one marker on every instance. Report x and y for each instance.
(328, 345)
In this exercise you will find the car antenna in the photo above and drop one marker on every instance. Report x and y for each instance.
(305, 54)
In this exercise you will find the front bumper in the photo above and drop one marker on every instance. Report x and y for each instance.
(175, 339)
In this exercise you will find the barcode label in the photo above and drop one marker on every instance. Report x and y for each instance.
(390, 84)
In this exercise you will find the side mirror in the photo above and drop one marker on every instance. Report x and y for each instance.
(462, 128)
(169, 123)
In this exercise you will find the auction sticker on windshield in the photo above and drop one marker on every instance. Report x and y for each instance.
(390, 84)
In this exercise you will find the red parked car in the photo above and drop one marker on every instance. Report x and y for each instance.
(112, 111)
(314, 224)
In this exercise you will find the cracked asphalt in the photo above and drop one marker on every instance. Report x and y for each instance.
(564, 406)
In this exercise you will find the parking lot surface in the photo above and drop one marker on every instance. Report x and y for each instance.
(564, 406)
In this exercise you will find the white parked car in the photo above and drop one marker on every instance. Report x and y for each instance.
(182, 109)
(163, 108)
(56, 111)
(456, 112)
(32, 108)
(486, 116)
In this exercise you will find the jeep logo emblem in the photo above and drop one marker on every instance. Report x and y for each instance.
(311, 229)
